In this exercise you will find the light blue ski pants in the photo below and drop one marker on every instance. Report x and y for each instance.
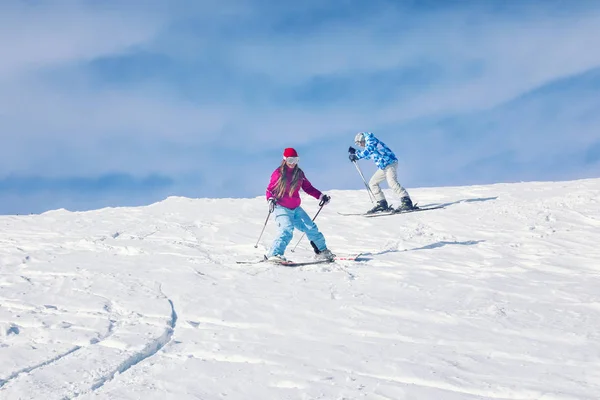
(287, 219)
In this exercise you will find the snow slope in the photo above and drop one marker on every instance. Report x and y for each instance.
(496, 296)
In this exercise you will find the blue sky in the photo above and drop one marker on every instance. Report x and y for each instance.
(128, 102)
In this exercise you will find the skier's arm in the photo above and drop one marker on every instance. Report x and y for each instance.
(310, 189)
(370, 147)
(272, 183)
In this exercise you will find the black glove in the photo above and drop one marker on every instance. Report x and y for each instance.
(272, 203)
(351, 150)
(353, 157)
(324, 199)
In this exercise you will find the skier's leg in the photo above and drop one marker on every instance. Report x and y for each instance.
(391, 175)
(374, 184)
(317, 240)
(284, 217)
(305, 224)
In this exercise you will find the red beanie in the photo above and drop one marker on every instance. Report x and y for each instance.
(289, 152)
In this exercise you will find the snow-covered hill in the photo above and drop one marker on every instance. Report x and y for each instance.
(496, 296)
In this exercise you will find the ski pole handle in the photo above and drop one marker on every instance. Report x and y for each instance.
(324, 200)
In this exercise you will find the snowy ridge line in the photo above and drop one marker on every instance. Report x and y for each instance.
(15, 374)
(150, 350)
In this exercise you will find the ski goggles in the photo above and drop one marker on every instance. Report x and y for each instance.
(292, 160)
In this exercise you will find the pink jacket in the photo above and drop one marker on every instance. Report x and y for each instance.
(292, 201)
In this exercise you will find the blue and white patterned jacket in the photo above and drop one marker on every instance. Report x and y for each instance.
(376, 150)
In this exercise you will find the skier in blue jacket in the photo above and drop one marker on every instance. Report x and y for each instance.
(387, 169)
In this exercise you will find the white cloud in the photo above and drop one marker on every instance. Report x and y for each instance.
(514, 55)
(38, 36)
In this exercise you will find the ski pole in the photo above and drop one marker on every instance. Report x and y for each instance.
(263, 229)
(301, 237)
(371, 196)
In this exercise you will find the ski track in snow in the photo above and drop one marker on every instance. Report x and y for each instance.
(492, 297)
(151, 349)
(34, 367)
(69, 359)
(75, 390)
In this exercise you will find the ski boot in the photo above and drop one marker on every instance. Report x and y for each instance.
(382, 205)
(276, 258)
(325, 255)
(406, 205)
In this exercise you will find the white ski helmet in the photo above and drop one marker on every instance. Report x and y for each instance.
(359, 138)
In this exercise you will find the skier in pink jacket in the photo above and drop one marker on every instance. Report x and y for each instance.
(283, 195)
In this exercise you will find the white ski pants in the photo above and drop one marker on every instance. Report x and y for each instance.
(389, 174)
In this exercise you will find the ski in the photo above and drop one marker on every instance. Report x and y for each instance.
(390, 212)
(285, 263)
(349, 257)
(299, 263)
(250, 261)
(381, 214)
